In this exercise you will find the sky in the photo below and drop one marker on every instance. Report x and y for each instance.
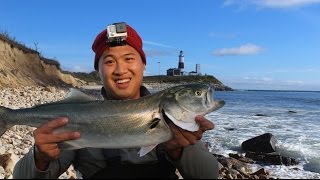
(246, 44)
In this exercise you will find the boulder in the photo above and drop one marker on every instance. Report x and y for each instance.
(264, 143)
(270, 158)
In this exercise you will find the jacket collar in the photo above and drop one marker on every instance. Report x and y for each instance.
(143, 92)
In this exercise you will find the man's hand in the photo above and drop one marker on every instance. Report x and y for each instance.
(46, 142)
(183, 138)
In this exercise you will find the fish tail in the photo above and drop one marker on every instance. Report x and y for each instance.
(3, 116)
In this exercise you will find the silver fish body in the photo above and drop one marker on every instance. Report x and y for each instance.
(119, 123)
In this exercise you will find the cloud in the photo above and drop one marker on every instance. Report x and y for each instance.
(271, 3)
(150, 52)
(157, 53)
(258, 80)
(158, 44)
(247, 49)
(286, 3)
(297, 70)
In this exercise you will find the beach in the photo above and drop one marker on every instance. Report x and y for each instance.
(18, 140)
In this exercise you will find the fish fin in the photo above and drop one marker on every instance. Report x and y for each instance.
(3, 125)
(192, 126)
(146, 149)
(76, 96)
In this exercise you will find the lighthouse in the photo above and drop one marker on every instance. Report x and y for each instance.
(181, 62)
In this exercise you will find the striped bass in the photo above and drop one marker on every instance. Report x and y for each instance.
(119, 123)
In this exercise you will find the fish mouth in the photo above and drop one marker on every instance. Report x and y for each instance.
(210, 102)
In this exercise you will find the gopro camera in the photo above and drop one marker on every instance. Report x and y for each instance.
(117, 34)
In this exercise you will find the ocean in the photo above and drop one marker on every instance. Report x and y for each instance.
(293, 117)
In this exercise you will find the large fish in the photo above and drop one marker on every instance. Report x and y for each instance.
(120, 123)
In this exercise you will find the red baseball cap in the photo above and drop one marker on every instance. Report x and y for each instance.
(100, 44)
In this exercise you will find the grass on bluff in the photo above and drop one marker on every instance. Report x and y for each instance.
(14, 43)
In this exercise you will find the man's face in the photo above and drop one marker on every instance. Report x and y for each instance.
(121, 72)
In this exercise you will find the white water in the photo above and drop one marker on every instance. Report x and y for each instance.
(292, 117)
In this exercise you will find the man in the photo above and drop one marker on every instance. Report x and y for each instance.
(120, 64)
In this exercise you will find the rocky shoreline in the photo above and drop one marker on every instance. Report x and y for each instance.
(17, 140)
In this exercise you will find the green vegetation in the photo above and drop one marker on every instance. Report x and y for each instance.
(6, 37)
(51, 62)
(207, 79)
(181, 79)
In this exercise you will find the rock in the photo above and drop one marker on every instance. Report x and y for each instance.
(50, 89)
(2, 149)
(242, 158)
(229, 129)
(4, 158)
(269, 158)
(229, 176)
(261, 172)
(263, 115)
(2, 172)
(232, 163)
(263, 143)
(7, 162)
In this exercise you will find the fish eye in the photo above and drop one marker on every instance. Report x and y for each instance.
(198, 93)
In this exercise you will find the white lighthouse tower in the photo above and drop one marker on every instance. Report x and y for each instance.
(181, 62)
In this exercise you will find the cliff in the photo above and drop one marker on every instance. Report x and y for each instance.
(22, 66)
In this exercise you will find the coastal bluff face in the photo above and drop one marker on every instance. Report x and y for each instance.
(21, 66)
